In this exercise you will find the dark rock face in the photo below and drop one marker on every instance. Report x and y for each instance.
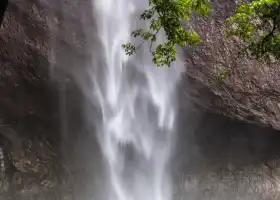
(3, 7)
(219, 158)
(250, 93)
(32, 36)
(22, 51)
(37, 37)
(30, 158)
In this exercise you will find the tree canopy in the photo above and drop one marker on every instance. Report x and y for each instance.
(257, 23)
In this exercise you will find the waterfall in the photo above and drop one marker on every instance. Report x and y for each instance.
(137, 102)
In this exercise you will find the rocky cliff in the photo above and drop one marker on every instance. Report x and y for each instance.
(40, 38)
(39, 35)
(251, 90)
(32, 36)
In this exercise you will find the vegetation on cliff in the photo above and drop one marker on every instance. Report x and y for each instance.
(257, 24)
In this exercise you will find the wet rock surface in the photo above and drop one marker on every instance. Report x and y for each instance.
(37, 39)
(219, 158)
(31, 166)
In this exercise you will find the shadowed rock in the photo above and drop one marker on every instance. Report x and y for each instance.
(217, 158)
(3, 7)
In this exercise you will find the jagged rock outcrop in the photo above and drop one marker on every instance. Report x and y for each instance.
(250, 92)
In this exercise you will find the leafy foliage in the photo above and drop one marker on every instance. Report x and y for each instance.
(167, 15)
(258, 25)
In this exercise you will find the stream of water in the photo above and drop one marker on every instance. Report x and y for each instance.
(138, 107)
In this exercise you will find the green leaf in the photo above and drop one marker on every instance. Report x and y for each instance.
(167, 15)
(257, 24)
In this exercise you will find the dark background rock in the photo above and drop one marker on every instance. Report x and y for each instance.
(32, 36)
(3, 7)
(220, 158)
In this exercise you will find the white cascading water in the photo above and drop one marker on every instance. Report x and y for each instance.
(137, 102)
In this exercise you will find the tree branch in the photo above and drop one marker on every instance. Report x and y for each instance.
(151, 45)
